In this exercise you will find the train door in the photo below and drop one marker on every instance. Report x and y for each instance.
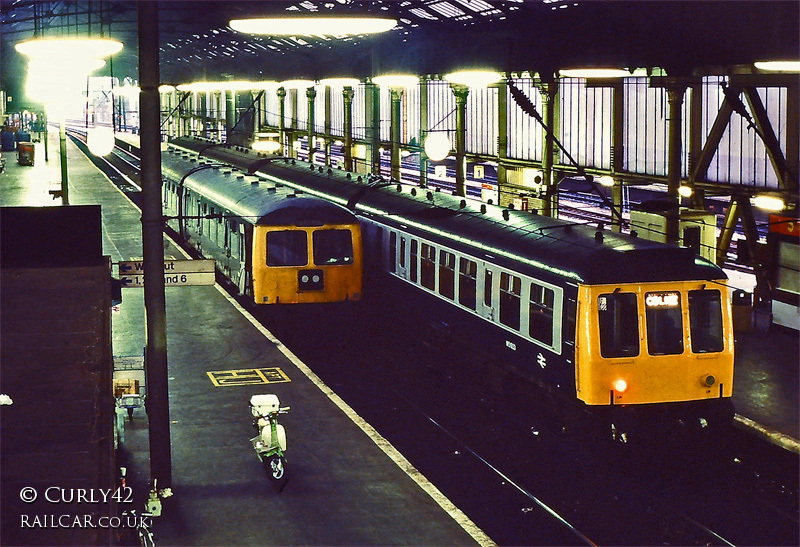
(402, 259)
(488, 292)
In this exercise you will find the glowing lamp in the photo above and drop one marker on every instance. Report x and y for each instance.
(620, 385)
(69, 48)
(340, 83)
(606, 181)
(313, 26)
(778, 66)
(474, 78)
(594, 73)
(396, 80)
(437, 146)
(769, 203)
(297, 84)
(100, 141)
(685, 191)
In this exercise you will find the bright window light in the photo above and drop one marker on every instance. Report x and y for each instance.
(474, 78)
(778, 66)
(594, 73)
(396, 80)
(313, 26)
(268, 85)
(100, 140)
(166, 88)
(48, 77)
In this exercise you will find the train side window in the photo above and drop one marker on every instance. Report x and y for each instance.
(467, 282)
(618, 317)
(510, 290)
(487, 288)
(402, 252)
(447, 274)
(428, 263)
(664, 323)
(705, 321)
(392, 252)
(287, 248)
(540, 314)
(332, 247)
(413, 263)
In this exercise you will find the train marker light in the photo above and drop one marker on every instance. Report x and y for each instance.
(620, 385)
(709, 380)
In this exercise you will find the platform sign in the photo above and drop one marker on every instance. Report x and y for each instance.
(177, 273)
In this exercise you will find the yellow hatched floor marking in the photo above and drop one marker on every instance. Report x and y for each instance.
(247, 376)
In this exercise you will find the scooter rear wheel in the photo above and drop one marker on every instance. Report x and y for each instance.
(275, 466)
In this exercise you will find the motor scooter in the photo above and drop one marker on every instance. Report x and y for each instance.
(270, 443)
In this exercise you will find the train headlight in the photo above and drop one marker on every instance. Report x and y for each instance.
(620, 385)
(709, 380)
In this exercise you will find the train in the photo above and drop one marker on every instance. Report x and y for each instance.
(628, 330)
(275, 244)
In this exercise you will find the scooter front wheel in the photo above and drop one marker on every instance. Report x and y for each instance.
(275, 466)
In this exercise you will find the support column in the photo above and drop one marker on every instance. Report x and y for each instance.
(311, 95)
(617, 153)
(229, 100)
(62, 144)
(327, 128)
(461, 92)
(281, 93)
(373, 130)
(423, 131)
(675, 92)
(396, 95)
(502, 135)
(348, 95)
(153, 247)
(548, 91)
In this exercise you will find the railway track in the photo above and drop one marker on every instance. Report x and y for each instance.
(510, 465)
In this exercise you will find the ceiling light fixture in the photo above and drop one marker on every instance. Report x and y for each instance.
(396, 80)
(474, 78)
(339, 83)
(297, 84)
(778, 66)
(92, 48)
(316, 26)
(594, 73)
(769, 203)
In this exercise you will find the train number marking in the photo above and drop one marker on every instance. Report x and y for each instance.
(541, 360)
(248, 376)
(511, 345)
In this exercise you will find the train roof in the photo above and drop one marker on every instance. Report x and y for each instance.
(516, 239)
(253, 200)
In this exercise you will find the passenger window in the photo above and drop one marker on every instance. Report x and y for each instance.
(467, 282)
(332, 247)
(428, 274)
(664, 323)
(392, 252)
(618, 317)
(510, 289)
(540, 314)
(447, 274)
(287, 248)
(414, 245)
(705, 321)
(487, 288)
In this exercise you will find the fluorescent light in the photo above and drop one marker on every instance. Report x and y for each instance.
(310, 25)
(297, 84)
(778, 66)
(474, 78)
(340, 83)
(606, 181)
(70, 48)
(266, 146)
(769, 203)
(265, 84)
(594, 73)
(233, 85)
(396, 80)
(685, 191)
(166, 88)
